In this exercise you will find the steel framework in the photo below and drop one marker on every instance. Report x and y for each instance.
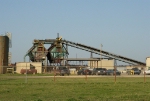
(59, 43)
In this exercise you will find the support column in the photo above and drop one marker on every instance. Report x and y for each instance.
(91, 62)
(67, 54)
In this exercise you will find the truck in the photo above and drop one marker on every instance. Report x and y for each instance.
(61, 70)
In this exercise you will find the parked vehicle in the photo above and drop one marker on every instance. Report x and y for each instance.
(99, 71)
(61, 70)
(29, 71)
(134, 71)
(147, 72)
(128, 71)
(84, 71)
(112, 72)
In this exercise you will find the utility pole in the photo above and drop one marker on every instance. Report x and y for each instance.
(26, 73)
(115, 67)
(101, 54)
(91, 62)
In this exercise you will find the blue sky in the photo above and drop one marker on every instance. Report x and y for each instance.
(122, 26)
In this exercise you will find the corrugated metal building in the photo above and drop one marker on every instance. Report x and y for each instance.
(148, 63)
(109, 64)
(27, 65)
(4, 49)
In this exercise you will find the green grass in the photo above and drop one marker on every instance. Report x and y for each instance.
(74, 89)
(10, 74)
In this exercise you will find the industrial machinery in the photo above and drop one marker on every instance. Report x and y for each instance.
(54, 54)
(58, 51)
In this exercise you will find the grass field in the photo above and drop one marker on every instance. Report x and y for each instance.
(75, 89)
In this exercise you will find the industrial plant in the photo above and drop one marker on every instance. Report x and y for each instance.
(44, 60)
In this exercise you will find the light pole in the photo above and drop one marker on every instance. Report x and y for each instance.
(101, 54)
(26, 73)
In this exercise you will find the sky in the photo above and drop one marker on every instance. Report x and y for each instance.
(121, 26)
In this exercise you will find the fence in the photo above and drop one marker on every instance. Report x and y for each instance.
(74, 71)
(46, 86)
(50, 69)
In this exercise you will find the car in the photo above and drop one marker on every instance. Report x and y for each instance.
(147, 72)
(61, 70)
(84, 71)
(99, 71)
(112, 72)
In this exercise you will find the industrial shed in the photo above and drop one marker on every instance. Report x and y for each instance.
(148, 63)
(28, 65)
(105, 63)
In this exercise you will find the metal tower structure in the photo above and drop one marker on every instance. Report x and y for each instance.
(58, 51)
(54, 54)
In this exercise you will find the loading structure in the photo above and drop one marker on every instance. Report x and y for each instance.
(54, 54)
(58, 51)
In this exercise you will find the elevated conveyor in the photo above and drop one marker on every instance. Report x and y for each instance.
(89, 49)
(103, 53)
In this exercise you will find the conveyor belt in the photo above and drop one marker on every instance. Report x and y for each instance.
(102, 52)
(91, 49)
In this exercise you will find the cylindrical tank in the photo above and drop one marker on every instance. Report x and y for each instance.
(4, 49)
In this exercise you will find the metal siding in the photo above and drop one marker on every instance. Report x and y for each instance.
(109, 64)
(38, 66)
(147, 62)
(24, 65)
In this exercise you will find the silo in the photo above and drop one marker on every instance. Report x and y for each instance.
(4, 49)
